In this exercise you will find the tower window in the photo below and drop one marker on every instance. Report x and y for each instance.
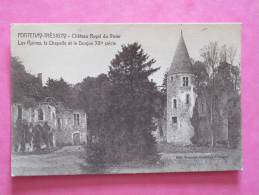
(185, 81)
(174, 119)
(172, 78)
(187, 98)
(59, 123)
(174, 103)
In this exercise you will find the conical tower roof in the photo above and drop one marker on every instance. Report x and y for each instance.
(181, 61)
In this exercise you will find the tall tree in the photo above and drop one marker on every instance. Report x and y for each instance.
(94, 99)
(231, 54)
(132, 108)
(210, 55)
(27, 88)
(202, 129)
(60, 90)
(225, 96)
(218, 58)
(223, 54)
(201, 76)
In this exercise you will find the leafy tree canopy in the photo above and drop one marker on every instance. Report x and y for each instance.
(26, 87)
(133, 103)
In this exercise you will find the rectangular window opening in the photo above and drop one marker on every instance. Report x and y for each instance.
(175, 104)
(76, 120)
(185, 81)
(174, 119)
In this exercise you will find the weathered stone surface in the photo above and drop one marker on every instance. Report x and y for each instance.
(69, 127)
(180, 97)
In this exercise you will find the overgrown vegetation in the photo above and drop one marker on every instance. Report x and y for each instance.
(121, 105)
(218, 97)
(125, 122)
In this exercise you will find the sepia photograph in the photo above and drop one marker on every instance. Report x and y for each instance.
(125, 98)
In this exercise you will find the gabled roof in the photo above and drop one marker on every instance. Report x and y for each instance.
(181, 61)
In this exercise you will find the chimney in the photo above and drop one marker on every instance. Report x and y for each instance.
(40, 78)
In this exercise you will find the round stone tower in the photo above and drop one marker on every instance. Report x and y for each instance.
(180, 97)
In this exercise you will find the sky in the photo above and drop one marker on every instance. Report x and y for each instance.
(74, 63)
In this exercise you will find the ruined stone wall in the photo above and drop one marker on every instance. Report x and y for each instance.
(67, 126)
(49, 114)
(31, 114)
(61, 121)
(27, 113)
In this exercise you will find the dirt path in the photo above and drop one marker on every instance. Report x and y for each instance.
(66, 160)
(69, 161)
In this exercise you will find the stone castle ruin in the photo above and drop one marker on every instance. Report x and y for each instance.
(187, 117)
(66, 126)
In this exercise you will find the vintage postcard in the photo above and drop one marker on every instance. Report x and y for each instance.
(125, 98)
